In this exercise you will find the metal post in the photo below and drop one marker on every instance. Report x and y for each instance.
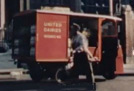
(111, 7)
(28, 4)
(21, 5)
(2, 19)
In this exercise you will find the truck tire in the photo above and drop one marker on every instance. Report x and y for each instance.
(36, 71)
(62, 76)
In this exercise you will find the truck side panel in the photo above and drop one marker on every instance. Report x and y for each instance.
(51, 38)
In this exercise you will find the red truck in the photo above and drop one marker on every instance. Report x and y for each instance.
(40, 39)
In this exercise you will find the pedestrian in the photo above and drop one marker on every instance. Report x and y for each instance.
(81, 58)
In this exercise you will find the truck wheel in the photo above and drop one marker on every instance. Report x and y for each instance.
(62, 76)
(36, 72)
(19, 65)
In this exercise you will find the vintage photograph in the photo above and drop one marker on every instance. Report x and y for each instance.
(66, 45)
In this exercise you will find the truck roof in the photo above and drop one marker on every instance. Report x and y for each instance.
(71, 14)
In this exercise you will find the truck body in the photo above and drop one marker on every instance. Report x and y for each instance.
(40, 39)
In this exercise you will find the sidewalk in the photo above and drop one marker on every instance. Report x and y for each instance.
(129, 69)
(13, 74)
(6, 61)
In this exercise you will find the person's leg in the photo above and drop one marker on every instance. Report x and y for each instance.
(90, 75)
(88, 68)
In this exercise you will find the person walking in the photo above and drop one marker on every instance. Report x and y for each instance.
(81, 58)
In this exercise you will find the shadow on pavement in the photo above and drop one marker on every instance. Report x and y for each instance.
(43, 86)
(100, 80)
(127, 74)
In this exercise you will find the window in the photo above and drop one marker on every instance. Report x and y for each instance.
(91, 24)
(108, 28)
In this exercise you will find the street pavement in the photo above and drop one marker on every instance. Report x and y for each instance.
(24, 83)
(17, 81)
(120, 83)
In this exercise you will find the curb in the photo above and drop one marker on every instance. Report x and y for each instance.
(129, 68)
(11, 71)
(11, 74)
